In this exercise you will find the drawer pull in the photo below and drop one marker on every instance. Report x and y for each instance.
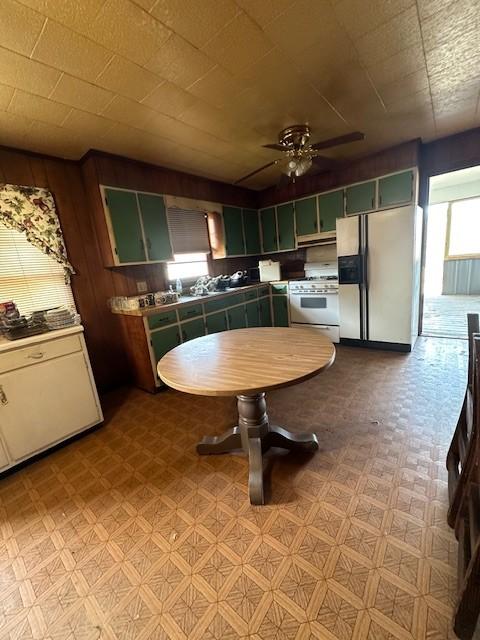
(38, 355)
(3, 396)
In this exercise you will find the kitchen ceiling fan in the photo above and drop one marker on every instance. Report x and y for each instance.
(299, 154)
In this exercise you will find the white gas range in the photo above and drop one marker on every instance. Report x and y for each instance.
(314, 299)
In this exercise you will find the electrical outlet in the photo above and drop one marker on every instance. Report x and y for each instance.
(141, 286)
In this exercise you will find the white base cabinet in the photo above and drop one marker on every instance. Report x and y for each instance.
(47, 393)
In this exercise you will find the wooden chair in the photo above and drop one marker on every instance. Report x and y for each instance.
(467, 528)
(460, 451)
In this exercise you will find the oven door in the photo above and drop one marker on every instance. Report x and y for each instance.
(314, 308)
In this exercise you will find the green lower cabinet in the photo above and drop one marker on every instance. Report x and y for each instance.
(164, 340)
(330, 207)
(396, 189)
(125, 225)
(192, 329)
(251, 231)
(286, 226)
(306, 216)
(236, 317)
(360, 198)
(253, 319)
(280, 311)
(217, 322)
(268, 224)
(265, 312)
(233, 223)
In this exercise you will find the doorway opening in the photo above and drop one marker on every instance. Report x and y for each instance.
(452, 259)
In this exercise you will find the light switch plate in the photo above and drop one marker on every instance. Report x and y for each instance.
(141, 286)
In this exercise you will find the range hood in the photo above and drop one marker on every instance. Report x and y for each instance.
(313, 239)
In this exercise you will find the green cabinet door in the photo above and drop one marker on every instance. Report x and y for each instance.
(396, 189)
(330, 206)
(265, 312)
(251, 231)
(286, 226)
(360, 198)
(126, 227)
(155, 227)
(268, 224)
(306, 216)
(233, 223)
(253, 319)
(280, 311)
(164, 340)
(192, 329)
(217, 322)
(236, 317)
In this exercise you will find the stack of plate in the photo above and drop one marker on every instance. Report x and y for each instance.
(61, 317)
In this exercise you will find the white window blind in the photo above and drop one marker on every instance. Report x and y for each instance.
(188, 230)
(33, 280)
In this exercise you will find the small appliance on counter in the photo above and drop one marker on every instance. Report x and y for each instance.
(313, 300)
(269, 271)
(238, 279)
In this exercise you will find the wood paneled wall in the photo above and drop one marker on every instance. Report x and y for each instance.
(75, 188)
(395, 159)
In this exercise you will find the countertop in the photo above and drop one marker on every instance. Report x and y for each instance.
(149, 311)
(9, 345)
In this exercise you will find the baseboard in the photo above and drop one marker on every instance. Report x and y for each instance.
(372, 344)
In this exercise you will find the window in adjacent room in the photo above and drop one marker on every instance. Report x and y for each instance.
(190, 243)
(463, 229)
(30, 278)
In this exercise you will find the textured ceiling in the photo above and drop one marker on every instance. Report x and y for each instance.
(199, 85)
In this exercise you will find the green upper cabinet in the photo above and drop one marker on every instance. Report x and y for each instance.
(125, 226)
(306, 216)
(251, 231)
(280, 311)
(233, 223)
(330, 206)
(360, 197)
(286, 226)
(269, 230)
(155, 227)
(396, 189)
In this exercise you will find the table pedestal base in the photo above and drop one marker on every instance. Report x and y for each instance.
(255, 436)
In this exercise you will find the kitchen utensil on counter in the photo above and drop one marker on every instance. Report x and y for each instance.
(238, 279)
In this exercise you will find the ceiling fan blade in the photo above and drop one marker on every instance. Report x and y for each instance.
(253, 173)
(277, 147)
(334, 142)
(322, 162)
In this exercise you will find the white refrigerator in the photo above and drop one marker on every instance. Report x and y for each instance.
(379, 277)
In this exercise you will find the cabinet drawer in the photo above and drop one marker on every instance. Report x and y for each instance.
(251, 295)
(162, 319)
(264, 291)
(279, 289)
(192, 311)
(41, 352)
(216, 305)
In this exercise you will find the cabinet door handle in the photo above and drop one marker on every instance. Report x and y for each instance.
(3, 396)
(38, 355)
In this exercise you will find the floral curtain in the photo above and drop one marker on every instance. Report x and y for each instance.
(31, 210)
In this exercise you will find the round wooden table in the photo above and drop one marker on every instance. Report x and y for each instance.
(246, 363)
